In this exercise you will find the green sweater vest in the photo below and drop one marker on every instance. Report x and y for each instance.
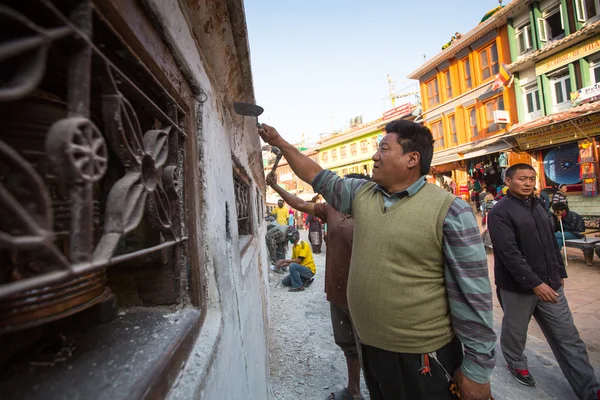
(396, 287)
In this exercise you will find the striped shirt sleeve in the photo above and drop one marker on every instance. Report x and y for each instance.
(469, 291)
(337, 192)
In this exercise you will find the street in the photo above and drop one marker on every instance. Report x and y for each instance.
(306, 363)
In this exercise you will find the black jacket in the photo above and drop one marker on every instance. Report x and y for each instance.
(572, 222)
(525, 251)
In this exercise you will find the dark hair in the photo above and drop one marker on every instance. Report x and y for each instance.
(358, 176)
(513, 169)
(280, 200)
(559, 207)
(561, 185)
(414, 137)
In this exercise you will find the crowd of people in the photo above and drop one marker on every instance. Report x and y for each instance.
(408, 282)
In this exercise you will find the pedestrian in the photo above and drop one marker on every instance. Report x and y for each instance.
(281, 213)
(315, 233)
(418, 286)
(302, 265)
(337, 265)
(530, 275)
(567, 224)
(291, 219)
(276, 238)
(560, 195)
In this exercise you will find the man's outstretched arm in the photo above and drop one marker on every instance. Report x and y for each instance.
(294, 201)
(305, 168)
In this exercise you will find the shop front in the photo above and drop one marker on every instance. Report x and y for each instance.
(566, 149)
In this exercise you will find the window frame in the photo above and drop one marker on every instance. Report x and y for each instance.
(492, 67)
(452, 129)
(364, 146)
(581, 10)
(438, 134)
(543, 24)
(530, 90)
(334, 154)
(447, 83)
(566, 93)
(467, 68)
(434, 81)
(527, 32)
(353, 149)
(594, 64)
(489, 116)
(473, 129)
(324, 156)
(343, 152)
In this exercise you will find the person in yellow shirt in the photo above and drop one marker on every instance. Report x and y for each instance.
(281, 213)
(302, 265)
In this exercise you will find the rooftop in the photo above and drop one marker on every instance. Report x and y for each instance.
(497, 20)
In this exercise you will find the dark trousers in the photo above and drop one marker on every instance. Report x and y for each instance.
(558, 327)
(396, 376)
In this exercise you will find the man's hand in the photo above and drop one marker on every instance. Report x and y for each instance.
(471, 390)
(281, 264)
(270, 135)
(545, 293)
(271, 179)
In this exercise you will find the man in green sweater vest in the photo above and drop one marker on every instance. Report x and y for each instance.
(418, 288)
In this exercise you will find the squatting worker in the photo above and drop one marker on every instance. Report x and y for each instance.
(337, 265)
(418, 286)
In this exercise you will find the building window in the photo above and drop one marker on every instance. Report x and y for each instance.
(438, 134)
(345, 171)
(595, 70)
(374, 143)
(532, 103)
(488, 61)
(467, 71)
(242, 204)
(473, 122)
(363, 146)
(453, 133)
(448, 84)
(551, 25)
(491, 106)
(586, 9)
(433, 93)
(524, 39)
(561, 91)
(324, 156)
(343, 152)
(353, 149)
(334, 154)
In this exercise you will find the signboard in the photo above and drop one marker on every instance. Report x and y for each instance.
(560, 132)
(569, 55)
(586, 94)
(398, 112)
(463, 189)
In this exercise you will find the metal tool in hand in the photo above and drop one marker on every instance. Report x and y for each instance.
(248, 110)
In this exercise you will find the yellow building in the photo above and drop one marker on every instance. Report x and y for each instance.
(351, 152)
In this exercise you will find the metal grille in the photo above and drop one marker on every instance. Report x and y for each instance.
(242, 205)
(106, 166)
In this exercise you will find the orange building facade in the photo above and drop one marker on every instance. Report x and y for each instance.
(467, 115)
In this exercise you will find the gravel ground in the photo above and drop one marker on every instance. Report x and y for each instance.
(305, 361)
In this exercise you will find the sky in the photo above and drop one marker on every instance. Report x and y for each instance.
(318, 63)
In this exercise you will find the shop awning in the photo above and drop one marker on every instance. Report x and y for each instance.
(575, 123)
(466, 151)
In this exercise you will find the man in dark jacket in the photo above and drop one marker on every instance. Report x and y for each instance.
(529, 275)
(573, 225)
